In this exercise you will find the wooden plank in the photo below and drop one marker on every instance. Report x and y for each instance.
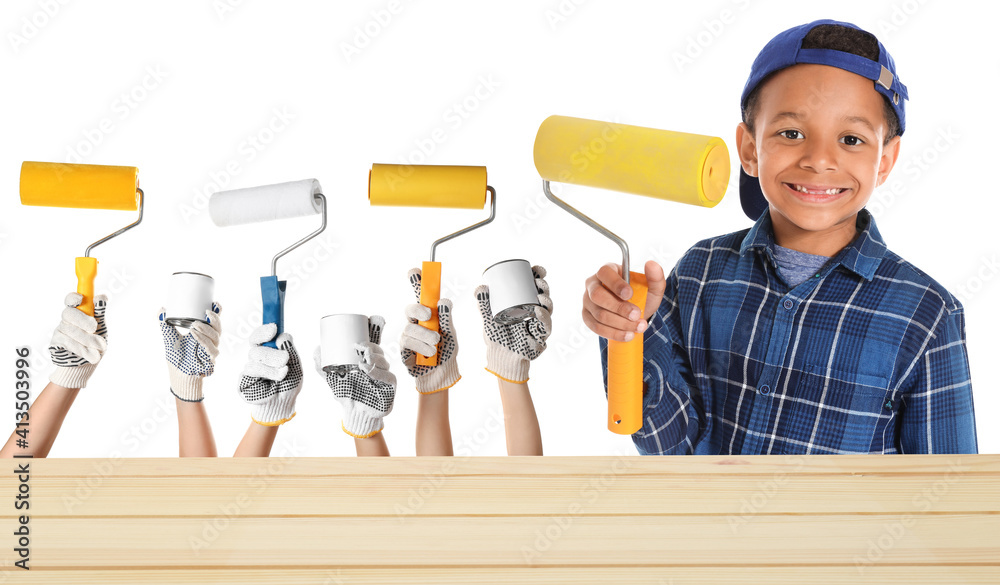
(878, 574)
(409, 495)
(568, 540)
(512, 466)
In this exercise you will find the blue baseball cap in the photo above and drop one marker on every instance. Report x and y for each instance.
(786, 50)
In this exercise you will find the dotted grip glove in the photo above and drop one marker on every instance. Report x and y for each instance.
(272, 378)
(418, 339)
(510, 348)
(191, 357)
(366, 393)
(79, 342)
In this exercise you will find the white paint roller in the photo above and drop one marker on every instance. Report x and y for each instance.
(268, 203)
(265, 203)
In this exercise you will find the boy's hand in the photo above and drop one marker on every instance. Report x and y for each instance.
(191, 357)
(272, 378)
(606, 307)
(367, 392)
(510, 348)
(79, 343)
(419, 339)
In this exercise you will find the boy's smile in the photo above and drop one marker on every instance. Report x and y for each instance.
(817, 148)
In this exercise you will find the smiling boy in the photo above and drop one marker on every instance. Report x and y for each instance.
(804, 333)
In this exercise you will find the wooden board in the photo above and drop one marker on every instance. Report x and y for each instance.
(667, 520)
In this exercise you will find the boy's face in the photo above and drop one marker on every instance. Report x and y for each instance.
(818, 152)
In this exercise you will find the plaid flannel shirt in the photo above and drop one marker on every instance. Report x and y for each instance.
(868, 356)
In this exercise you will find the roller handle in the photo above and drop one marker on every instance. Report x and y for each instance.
(430, 294)
(86, 272)
(625, 372)
(272, 292)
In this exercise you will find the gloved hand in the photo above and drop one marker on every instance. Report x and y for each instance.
(272, 378)
(417, 339)
(510, 348)
(366, 393)
(191, 357)
(79, 342)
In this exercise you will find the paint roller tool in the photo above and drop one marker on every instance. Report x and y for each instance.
(681, 167)
(83, 187)
(432, 186)
(268, 203)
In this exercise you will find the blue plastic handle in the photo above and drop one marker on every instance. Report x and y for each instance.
(272, 292)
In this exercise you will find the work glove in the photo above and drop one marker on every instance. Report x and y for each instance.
(418, 339)
(79, 342)
(191, 357)
(272, 377)
(510, 348)
(366, 393)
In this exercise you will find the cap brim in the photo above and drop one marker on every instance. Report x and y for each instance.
(751, 197)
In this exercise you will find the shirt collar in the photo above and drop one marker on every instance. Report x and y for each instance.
(862, 256)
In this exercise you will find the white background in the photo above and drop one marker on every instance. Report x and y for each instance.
(225, 94)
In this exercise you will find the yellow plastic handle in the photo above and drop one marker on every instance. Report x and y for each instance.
(86, 272)
(430, 294)
(625, 372)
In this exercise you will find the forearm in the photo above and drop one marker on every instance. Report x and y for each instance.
(45, 418)
(257, 441)
(433, 426)
(194, 431)
(520, 420)
(373, 446)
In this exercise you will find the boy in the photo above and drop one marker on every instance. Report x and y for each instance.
(803, 334)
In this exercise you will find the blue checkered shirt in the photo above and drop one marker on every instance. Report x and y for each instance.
(867, 356)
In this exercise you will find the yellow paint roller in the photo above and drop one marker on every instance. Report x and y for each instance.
(83, 187)
(432, 186)
(687, 168)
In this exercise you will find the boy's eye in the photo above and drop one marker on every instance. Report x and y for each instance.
(791, 134)
(852, 140)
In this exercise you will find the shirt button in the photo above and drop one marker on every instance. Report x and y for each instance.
(765, 390)
(788, 304)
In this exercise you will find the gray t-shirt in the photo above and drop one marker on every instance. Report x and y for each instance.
(796, 267)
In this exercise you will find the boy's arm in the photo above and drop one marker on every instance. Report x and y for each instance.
(673, 413)
(937, 414)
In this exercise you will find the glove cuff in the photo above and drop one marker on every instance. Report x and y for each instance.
(360, 424)
(185, 387)
(72, 376)
(440, 378)
(506, 365)
(274, 412)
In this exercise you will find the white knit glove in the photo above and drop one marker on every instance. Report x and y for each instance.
(417, 339)
(510, 348)
(191, 357)
(79, 342)
(366, 393)
(272, 378)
